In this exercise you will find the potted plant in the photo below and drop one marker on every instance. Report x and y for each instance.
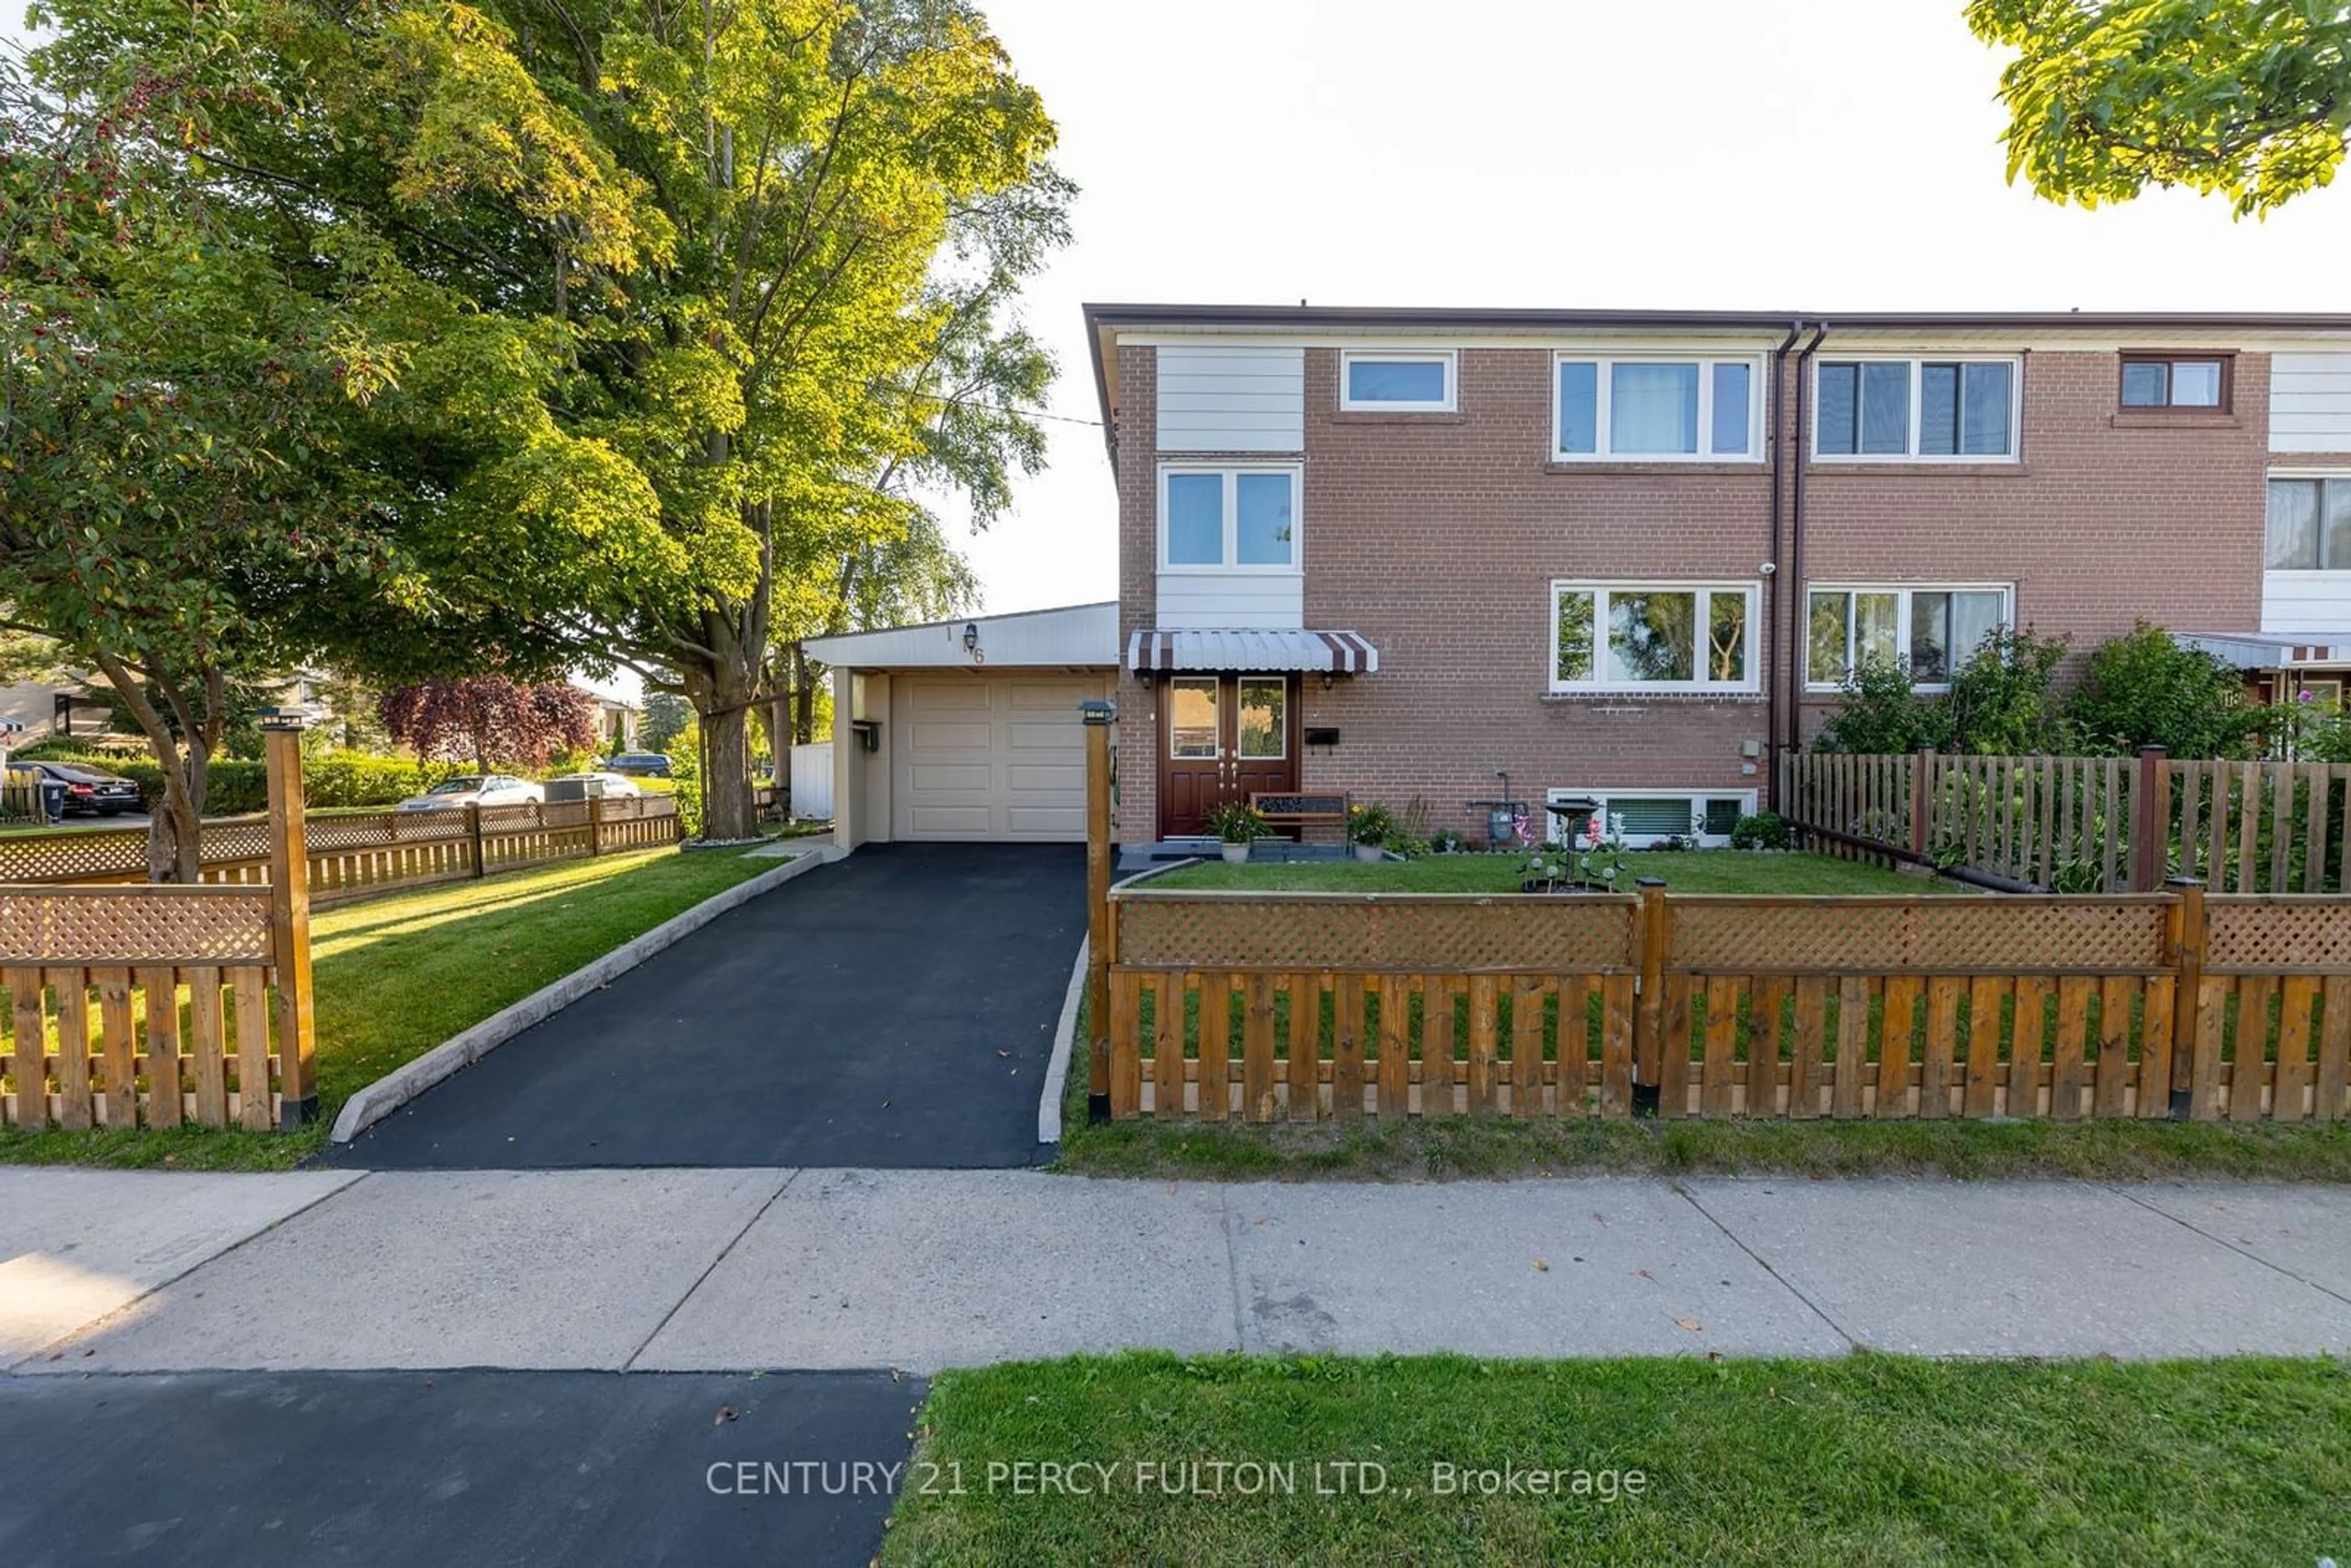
(1238, 826)
(1368, 828)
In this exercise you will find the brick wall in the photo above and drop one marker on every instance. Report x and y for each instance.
(1437, 537)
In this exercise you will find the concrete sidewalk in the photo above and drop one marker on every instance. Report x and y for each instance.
(740, 1269)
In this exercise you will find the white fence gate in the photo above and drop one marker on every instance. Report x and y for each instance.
(812, 779)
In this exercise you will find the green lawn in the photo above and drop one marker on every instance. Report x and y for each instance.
(398, 975)
(1866, 1461)
(1686, 871)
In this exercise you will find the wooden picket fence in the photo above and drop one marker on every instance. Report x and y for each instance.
(133, 1006)
(356, 854)
(2083, 825)
(1300, 1007)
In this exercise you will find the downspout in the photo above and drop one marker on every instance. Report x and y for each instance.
(1771, 576)
(1797, 618)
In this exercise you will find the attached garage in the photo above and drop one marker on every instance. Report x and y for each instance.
(967, 729)
(989, 757)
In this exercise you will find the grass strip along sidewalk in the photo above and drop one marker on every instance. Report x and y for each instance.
(394, 976)
(1866, 1461)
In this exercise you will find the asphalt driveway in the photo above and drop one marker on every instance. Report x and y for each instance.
(559, 1468)
(895, 1009)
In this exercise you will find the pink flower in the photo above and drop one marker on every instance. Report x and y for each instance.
(1593, 828)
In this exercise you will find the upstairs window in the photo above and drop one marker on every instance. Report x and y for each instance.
(2161, 380)
(1627, 636)
(1219, 518)
(1396, 382)
(1932, 630)
(1906, 411)
(2309, 524)
(1660, 409)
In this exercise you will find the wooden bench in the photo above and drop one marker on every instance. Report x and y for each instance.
(1301, 810)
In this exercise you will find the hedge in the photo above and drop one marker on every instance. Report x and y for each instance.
(234, 787)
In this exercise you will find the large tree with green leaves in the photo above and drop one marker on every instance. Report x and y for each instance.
(686, 300)
(174, 418)
(2246, 98)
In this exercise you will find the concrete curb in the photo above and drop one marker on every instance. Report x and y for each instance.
(1065, 1034)
(406, 1082)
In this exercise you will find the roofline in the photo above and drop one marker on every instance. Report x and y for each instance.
(960, 620)
(1101, 317)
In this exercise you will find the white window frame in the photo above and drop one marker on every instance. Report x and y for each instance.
(2340, 475)
(1603, 361)
(1902, 592)
(2016, 453)
(1600, 588)
(1231, 474)
(1556, 828)
(1444, 357)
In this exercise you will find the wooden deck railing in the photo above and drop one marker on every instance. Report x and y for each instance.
(1296, 1007)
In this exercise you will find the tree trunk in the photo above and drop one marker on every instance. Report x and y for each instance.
(175, 830)
(780, 728)
(727, 810)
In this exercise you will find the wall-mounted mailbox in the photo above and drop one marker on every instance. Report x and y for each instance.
(869, 733)
(1322, 734)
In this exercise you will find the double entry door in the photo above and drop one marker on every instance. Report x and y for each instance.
(1220, 739)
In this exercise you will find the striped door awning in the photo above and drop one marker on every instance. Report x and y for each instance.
(1327, 652)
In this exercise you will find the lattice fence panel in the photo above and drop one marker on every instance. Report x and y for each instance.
(134, 925)
(2286, 935)
(1948, 934)
(1545, 934)
(378, 830)
(73, 856)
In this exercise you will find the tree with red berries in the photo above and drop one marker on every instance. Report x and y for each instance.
(489, 719)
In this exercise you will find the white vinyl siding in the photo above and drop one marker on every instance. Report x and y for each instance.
(1218, 399)
(1248, 601)
(2310, 403)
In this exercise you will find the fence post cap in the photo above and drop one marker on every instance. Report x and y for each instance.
(2155, 751)
(2183, 882)
(1648, 881)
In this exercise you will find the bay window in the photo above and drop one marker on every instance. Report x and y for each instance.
(1656, 408)
(1639, 637)
(1932, 630)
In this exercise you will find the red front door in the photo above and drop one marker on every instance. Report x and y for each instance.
(1223, 737)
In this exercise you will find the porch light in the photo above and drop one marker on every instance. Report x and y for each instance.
(971, 636)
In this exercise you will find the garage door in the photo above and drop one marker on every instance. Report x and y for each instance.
(989, 757)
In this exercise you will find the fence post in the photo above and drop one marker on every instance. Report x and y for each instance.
(595, 824)
(1922, 769)
(1654, 928)
(1097, 716)
(473, 823)
(2184, 929)
(289, 920)
(2150, 820)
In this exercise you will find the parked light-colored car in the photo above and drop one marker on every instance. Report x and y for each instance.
(474, 790)
(615, 784)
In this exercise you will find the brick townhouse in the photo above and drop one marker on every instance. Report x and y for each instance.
(1617, 555)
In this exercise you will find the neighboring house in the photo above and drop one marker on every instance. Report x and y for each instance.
(617, 719)
(1629, 555)
(48, 710)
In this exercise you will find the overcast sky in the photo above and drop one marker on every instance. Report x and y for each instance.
(1819, 155)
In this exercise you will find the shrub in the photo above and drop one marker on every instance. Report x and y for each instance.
(2002, 703)
(1883, 713)
(1236, 823)
(2146, 689)
(1762, 830)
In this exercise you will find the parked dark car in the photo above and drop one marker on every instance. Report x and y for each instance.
(91, 792)
(639, 764)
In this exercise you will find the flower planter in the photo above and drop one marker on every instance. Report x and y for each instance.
(1235, 853)
(1370, 853)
